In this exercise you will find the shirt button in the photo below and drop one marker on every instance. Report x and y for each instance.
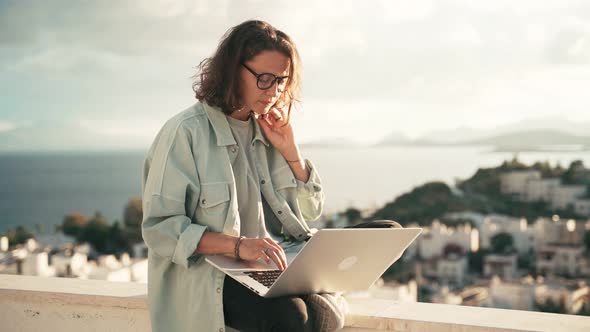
(294, 181)
(218, 290)
(221, 330)
(263, 182)
(233, 149)
(203, 201)
(280, 212)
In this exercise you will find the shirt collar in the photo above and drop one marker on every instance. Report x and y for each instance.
(222, 129)
(258, 133)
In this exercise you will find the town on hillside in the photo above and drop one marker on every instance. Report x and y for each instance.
(514, 236)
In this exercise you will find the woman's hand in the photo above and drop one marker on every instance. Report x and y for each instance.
(279, 132)
(276, 128)
(266, 248)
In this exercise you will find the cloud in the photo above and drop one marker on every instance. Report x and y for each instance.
(130, 128)
(6, 126)
(571, 43)
(128, 28)
(434, 62)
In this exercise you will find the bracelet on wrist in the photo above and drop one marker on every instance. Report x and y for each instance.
(292, 161)
(237, 247)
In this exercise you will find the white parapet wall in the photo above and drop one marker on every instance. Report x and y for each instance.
(29, 303)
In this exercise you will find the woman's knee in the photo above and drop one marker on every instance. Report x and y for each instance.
(290, 314)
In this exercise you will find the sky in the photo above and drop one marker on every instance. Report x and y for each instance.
(105, 73)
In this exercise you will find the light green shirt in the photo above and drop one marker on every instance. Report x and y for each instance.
(189, 186)
(247, 187)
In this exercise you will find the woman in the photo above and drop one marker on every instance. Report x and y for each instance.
(225, 176)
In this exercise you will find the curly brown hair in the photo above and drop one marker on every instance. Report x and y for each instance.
(217, 79)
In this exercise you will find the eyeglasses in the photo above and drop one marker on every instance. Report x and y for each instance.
(266, 80)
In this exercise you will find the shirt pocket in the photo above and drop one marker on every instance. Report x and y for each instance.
(214, 201)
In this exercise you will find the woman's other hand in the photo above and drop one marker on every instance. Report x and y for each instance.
(277, 128)
(267, 249)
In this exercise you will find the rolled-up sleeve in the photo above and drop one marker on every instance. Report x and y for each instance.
(310, 194)
(170, 191)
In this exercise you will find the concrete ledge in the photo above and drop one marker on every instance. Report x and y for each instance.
(392, 316)
(30, 303)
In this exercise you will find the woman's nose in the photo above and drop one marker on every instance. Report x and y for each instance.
(274, 90)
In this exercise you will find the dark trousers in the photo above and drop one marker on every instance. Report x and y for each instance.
(246, 311)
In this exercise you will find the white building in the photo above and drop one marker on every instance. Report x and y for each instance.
(139, 270)
(69, 265)
(570, 294)
(407, 293)
(523, 294)
(515, 182)
(111, 269)
(523, 235)
(452, 269)
(103, 273)
(446, 296)
(3, 244)
(556, 230)
(504, 266)
(55, 240)
(582, 207)
(528, 185)
(435, 238)
(540, 189)
(563, 196)
(471, 296)
(562, 259)
(109, 261)
(36, 264)
(476, 217)
(511, 295)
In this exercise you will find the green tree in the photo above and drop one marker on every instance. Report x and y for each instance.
(513, 164)
(550, 306)
(19, 235)
(116, 240)
(396, 271)
(422, 204)
(546, 170)
(96, 232)
(587, 240)
(73, 223)
(502, 243)
(585, 310)
(352, 215)
(475, 260)
(132, 217)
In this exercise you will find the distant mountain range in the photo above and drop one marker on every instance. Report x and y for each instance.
(530, 140)
(537, 140)
(543, 134)
(553, 123)
(59, 136)
(332, 142)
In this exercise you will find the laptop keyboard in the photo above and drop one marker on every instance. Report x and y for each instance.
(267, 278)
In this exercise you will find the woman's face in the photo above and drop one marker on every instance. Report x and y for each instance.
(253, 98)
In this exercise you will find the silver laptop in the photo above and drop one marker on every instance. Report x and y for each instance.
(332, 260)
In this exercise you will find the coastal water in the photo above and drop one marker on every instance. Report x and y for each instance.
(40, 188)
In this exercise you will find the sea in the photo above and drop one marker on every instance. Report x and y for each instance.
(38, 189)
